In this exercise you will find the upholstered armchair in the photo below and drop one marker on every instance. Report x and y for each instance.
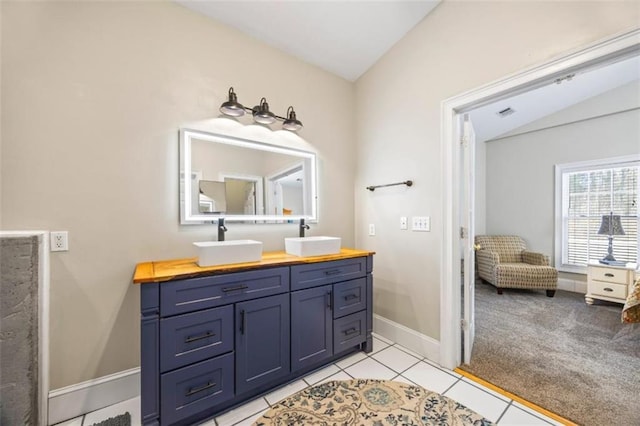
(505, 262)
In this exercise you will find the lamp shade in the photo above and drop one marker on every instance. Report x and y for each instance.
(291, 123)
(261, 113)
(231, 107)
(611, 225)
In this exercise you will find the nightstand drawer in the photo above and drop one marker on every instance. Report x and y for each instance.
(600, 288)
(609, 275)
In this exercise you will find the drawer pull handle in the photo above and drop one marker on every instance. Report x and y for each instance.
(350, 331)
(350, 297)
(236, 288)
(333, 272)
(608, 289)
(608, 274)
(242, 322)
(190, 339)
(194, 391)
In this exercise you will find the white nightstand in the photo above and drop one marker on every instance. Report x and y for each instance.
(611, 283)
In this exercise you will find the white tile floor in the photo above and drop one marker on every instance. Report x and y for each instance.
(387, 361)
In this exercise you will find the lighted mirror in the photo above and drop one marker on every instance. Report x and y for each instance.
(244, 180)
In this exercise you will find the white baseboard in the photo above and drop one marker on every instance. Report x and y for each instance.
(410, 339)
(72, 401)
(572, 285)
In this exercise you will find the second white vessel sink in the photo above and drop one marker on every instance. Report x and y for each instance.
(212, 253)
(312, 246)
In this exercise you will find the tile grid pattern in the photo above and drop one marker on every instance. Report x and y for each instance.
(387, 361)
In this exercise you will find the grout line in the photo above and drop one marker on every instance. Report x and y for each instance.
(252, 414)
(449, 388)
(409, 367)
(504, 411)
(405, 350)
(516, 398)
(444, 370)
(484, 389)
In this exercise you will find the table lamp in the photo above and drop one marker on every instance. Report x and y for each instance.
(610, 226)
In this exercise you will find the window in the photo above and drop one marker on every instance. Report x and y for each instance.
(584, 193)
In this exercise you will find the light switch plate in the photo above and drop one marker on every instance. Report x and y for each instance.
(372, 229)
(421, 223)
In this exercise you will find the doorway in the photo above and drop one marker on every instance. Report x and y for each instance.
(457, 176)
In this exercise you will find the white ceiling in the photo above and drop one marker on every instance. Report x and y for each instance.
(535, 104)
(346, 37)
(343, 37)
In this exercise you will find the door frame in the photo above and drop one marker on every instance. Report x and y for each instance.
(618, 46)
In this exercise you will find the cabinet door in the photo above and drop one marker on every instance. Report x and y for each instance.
(311, 326)
(262, 341)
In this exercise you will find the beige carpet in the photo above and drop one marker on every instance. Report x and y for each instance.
(369, 402)
(573, 359)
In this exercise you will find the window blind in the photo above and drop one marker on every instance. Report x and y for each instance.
(587, 196)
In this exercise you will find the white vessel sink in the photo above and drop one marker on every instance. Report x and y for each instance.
(312, 246)
(212, 253)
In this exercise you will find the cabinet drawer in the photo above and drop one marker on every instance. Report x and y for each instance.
(315, 274)
(610, 275)
(194, 337)
(619, 291)
(349, 331)
(349, 297)
(181, 296)
(193, 389)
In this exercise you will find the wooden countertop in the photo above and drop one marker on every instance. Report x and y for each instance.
(166, 270)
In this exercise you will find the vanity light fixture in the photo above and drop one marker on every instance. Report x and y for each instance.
(232, 107)
(291, 123)
(261, 113)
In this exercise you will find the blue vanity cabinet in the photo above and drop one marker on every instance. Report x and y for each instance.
(262, 341)
(213, 339)
(329, 310)
(311, 326)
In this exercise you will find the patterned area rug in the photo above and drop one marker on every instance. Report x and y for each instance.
(369, 402)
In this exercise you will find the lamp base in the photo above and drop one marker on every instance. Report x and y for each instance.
(608, 259)
(613, 262)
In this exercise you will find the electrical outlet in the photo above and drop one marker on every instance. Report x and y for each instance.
(59, 241)
(372, 229)
(421, 223)
(403, 222)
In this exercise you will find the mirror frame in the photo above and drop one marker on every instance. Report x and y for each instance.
(189, 218)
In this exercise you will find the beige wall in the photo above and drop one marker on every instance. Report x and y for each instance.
(93, 95)
(459, 46)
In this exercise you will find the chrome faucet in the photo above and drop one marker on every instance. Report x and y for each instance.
(302, 227)
(221, 229)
